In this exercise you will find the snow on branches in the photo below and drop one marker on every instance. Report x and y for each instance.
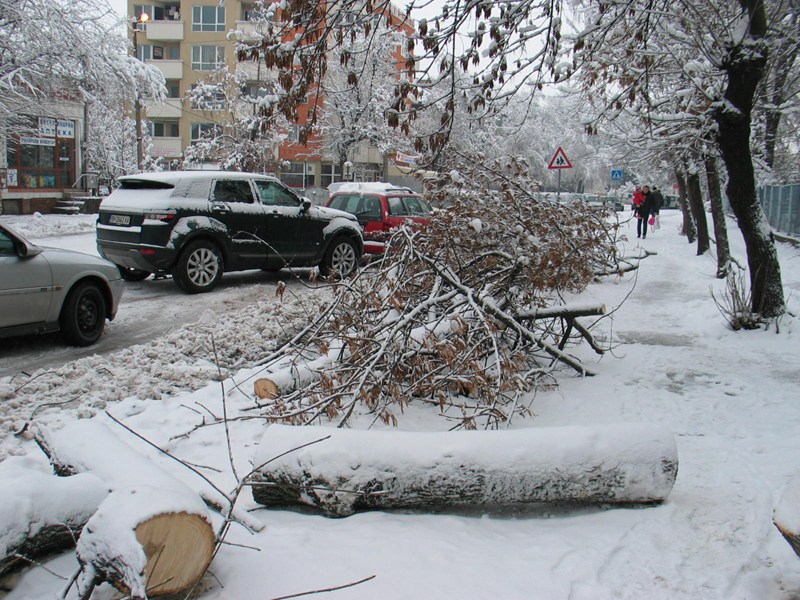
(458, 314)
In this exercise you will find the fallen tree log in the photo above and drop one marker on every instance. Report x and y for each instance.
(41, 513)
(786, 515)
(152, 535)
(364, 470)
(566, 311)
(297, 374)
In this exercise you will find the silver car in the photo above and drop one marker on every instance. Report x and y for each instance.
(48, 289)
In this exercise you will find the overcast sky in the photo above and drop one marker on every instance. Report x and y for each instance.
(121, 6)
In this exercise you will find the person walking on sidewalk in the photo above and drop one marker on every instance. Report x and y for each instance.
(643, 212)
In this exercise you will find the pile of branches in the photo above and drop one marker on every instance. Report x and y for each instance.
(466, 313)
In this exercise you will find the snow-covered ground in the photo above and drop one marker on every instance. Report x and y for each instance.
(731, 400)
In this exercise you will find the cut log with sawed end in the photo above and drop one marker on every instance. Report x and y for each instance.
(141, 541)
(152, 536)
(366, 470)
(288, 379)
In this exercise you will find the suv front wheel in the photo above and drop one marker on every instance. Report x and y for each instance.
(199, 268)
(341, 258)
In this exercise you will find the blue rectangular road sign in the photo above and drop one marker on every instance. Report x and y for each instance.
(616, 175)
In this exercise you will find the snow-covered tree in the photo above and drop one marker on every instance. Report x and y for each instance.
(690, 72)
(352, 105)
(72, 49)
(247, 128)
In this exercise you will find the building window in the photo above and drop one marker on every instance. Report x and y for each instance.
(155, 13)
(144, 52)
(208, 18)
(211, 98)
(173, 88)
(295, 175)
(204, 131)
(255, 89)
(207, 58)
(164, 129)
(42, 157)
(249, 12)
(329, 173)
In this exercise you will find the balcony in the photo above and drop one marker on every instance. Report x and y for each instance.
(164, 31)
(248, 30)
(250, 69)
(171, 108)
(171, 69)
(167, 147)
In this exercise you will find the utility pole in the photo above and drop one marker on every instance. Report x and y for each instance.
(137, 103)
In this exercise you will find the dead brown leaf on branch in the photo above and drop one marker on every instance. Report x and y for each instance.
(458, 314)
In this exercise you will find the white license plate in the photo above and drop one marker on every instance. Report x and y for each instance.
(119, 220)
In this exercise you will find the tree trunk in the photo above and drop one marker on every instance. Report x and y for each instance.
(687, 228)
(152, 535)
(342, 471)
(718, 217)
(698, 212)
(745, 66)
(782, 66)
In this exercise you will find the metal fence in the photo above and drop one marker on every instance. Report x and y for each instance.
(781, 204)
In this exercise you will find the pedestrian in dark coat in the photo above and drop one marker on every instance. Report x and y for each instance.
(658, 200)
(643, 212)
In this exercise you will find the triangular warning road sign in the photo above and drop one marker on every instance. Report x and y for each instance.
(560, 160)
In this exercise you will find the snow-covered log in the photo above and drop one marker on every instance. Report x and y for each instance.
(568, 311)
(293, 376)
(152, 536)
(786, 515)
(361, 470)
(41, 513)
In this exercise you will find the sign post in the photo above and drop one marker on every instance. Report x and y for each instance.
(616, 177)
(559, 161)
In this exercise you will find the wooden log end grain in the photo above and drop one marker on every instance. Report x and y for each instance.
(179, 548)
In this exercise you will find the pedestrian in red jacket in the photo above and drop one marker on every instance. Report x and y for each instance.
(638, 197)
(643, 212)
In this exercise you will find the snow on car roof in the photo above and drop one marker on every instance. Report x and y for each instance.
(174, 176)
(375, 187)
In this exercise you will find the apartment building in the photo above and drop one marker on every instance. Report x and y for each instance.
(188, 40)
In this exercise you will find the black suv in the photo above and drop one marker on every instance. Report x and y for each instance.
(197, 224)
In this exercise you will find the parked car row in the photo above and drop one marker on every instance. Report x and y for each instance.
(194, 226)
(593, 200)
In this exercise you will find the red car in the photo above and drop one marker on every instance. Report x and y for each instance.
(379, 208)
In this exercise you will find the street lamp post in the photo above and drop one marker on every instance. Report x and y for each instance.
(137, 103)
